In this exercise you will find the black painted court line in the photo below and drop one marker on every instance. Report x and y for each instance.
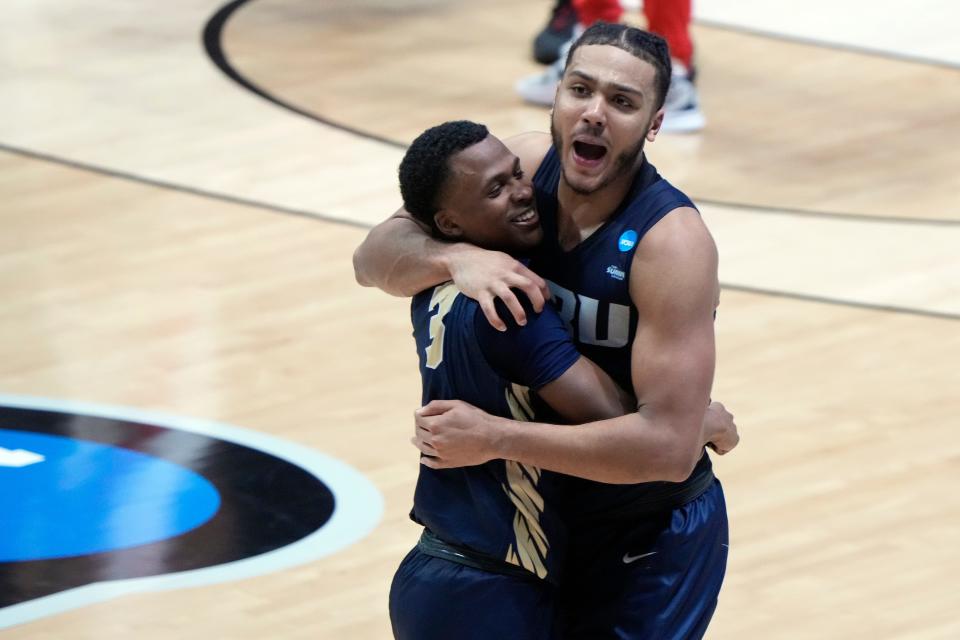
(813, 213)
(360, 225)
(161, 184)
(827, 44)
(212, 33)
(212, 43)
(941, 315)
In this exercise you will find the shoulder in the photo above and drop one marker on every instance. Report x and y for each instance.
(533, 354)
(541, 325)
(680, 235)
(675, 265)
(530, 147)
(534, 318)
(442, 300)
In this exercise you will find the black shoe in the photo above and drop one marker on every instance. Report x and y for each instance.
(546, 46)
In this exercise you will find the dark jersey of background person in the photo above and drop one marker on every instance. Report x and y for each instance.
(590, 287)
(502, 509)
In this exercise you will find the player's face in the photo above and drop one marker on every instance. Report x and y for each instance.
(603, 113)
(488, 200)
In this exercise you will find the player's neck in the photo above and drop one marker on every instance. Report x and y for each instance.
(580, 215)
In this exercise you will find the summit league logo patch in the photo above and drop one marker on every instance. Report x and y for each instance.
(615, 272)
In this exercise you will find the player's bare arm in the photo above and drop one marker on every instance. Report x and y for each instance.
(674, 285)
(400, 257)
(454, 433)
(585, 393)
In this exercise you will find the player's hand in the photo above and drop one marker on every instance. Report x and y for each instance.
(719, 429)
(451, 433)
(486, 275)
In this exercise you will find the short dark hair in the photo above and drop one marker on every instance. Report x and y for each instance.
(647, 46)
(426, 166)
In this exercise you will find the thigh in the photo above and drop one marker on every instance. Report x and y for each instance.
(435, 599)
(653, 580)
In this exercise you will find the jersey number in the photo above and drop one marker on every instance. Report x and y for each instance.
(441, 300)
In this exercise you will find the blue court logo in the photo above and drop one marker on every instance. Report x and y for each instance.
(97, 501)
(81, 497)
(628, 240)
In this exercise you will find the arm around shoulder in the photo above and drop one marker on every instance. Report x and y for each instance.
(400, 257)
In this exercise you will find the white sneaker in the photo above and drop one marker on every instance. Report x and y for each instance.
(682, 112)
(541, 88)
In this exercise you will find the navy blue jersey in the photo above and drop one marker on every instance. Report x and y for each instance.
(590, 285)
(503, 510)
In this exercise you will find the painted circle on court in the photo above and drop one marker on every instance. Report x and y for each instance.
(98, 501)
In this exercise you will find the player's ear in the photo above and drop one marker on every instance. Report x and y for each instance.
(447, 223)
(655, 125)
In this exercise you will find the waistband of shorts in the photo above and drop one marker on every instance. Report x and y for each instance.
(688, 492)
(431, 545)
(662, 502)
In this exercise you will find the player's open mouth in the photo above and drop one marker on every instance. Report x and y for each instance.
(588, 154)
(526, 219)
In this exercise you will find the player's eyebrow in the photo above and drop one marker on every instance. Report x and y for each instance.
(622, 88)
(503, 176)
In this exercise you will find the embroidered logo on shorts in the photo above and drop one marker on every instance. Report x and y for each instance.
(627, 558)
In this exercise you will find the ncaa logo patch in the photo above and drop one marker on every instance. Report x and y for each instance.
(628, 240)
(98, 502)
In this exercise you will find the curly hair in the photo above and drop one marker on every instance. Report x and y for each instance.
(647, 46)
(425, 166)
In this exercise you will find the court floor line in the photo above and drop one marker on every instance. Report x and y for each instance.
(161, 184)
(352, 223)
(827, 44)
(813, 213)
(213, 44)
(943, 315)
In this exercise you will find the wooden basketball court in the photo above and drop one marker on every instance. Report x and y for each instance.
(177, 241)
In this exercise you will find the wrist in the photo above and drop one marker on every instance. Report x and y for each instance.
(502, 444)
(455, 254)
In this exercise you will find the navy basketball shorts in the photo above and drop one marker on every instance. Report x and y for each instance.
(436, 599)
(656, 579)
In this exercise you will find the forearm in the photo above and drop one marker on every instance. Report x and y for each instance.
(399, 257)
(585, 393)
(625, 450)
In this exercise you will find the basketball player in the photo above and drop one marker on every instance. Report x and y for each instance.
(493, 540)
(633, 271)
(669, 19)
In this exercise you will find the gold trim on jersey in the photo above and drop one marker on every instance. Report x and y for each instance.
(531, 547)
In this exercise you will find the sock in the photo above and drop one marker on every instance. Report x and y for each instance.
(670, 19)
(591, 11)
